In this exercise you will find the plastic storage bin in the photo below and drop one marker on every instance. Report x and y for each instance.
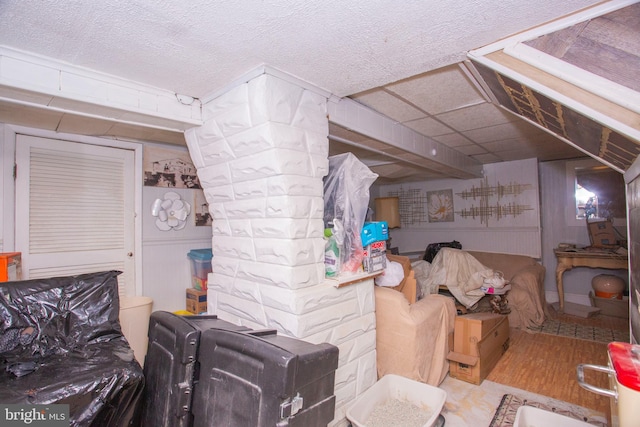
(200, 267)
(529, 416)
(400, 388)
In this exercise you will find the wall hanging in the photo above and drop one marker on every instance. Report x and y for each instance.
(171, 212)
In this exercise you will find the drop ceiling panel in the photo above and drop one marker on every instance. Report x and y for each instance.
(478, 116)
(471, 150)
(445, 89)
(429, 127)
(453, 140)
(389, 105)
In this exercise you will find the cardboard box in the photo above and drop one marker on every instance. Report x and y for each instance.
(602, 234)
(196, 301)
(375, 257)
(611, 306)
(471, 328)
(480, 340)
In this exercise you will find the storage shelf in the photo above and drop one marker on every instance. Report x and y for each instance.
(345, 279)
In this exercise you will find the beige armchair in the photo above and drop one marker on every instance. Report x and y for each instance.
(412, 340)
(526, 299)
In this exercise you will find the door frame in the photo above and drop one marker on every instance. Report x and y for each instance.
(8, 135)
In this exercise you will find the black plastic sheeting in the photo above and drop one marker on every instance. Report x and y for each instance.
(61, 343)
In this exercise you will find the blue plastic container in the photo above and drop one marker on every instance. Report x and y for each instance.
(200, 267)
(374, 232)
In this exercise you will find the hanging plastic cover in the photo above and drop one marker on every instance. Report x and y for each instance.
(346, 200)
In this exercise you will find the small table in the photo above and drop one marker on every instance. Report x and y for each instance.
(586, 258)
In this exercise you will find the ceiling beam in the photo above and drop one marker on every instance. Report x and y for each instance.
(354, 116)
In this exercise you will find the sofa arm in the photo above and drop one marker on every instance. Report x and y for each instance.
(412, 339)
(527, 298)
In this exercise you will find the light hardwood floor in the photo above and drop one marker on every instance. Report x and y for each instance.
(546, 364)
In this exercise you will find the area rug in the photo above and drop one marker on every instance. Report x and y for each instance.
(574, 330)
(506, 413)
(475, 405)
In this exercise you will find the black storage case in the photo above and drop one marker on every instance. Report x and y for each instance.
(262, 379)
(170, 367)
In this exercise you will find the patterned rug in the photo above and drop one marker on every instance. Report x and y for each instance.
(574, 330)
(506, 413)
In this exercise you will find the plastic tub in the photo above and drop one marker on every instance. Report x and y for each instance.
(529, 416)
(135, 312)
(424, 396)
(200, 267)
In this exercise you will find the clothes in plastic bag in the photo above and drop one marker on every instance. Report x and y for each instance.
(75, 352)
(391, 276)
(346, 201)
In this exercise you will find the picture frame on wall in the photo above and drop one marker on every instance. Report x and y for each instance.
(201, 209)
(440, 206)
(169, 168)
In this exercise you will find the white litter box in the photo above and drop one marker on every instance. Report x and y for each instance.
(528, 416)
(429, 399)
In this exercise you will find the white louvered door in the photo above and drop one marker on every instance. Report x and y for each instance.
(74, 209)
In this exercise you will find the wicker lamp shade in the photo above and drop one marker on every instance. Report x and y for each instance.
(388, 209)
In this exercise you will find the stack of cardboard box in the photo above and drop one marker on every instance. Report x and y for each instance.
(196, 301)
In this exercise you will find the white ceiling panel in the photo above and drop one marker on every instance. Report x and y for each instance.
(389, 105)
(439, 91)
(476, 117)
(429, 127)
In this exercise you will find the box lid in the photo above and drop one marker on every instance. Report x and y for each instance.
(201, 254)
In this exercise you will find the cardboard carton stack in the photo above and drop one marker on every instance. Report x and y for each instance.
(479, 340)
(196, 301)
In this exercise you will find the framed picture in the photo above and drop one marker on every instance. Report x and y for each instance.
(169, 168)
(440, 206)
(201, 210)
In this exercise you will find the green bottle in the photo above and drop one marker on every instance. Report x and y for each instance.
(331, 254)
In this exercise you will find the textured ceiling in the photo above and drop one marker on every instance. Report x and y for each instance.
(402, 60)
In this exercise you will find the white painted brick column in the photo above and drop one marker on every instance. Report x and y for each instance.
(261, 155)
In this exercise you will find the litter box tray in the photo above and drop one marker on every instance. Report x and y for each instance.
(429, 400)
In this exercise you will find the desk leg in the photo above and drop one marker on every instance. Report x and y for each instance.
(560, 269)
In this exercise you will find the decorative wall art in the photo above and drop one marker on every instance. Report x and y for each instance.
(491, 203)
(411, 205)
(506, 196)
(169, 168)
(171, 212)
(440, 205)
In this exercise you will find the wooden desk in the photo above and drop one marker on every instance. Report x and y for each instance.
(585, 258)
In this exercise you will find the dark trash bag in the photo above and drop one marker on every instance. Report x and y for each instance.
(434, 248)
(62, 344)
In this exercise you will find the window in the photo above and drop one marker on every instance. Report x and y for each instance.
(594, 191)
